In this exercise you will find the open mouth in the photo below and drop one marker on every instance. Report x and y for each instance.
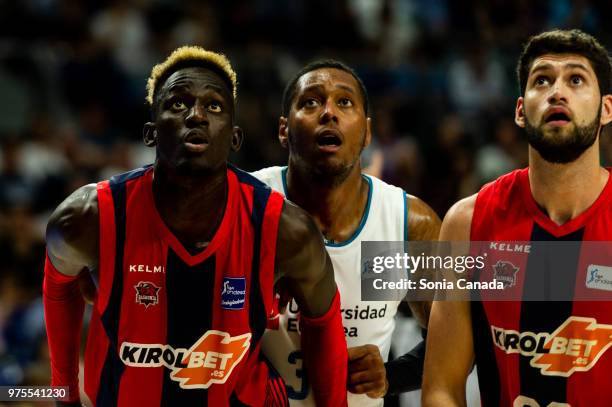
(196, 137)
(557, 118)
(329, 140)
(196, 142)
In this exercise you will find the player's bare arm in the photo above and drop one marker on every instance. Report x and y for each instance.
(405, 372)
(303, 263)
(423, 222)
(450, 354)
(307, 273)
(72, 246)
(423, 225)
(72, 232)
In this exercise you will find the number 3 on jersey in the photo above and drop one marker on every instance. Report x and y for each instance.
(295, 358)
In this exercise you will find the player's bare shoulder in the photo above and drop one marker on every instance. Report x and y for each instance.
(299, 240)
(423, 225)
(457, 223)
(423, 222)
(73, 232)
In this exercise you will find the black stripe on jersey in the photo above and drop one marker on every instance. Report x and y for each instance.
(246, 178)
(547, 316)
(488, 373)
(189, 300)
(257, 309)
(277, 392)
(234, 402)
(108, 390)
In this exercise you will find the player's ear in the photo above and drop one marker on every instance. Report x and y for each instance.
(606, 110)
(149, 134)
(519, 113)
(283, 131)
(368, 135)
(237, 138)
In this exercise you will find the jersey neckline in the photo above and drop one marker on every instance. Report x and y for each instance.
(573, 224)
(172, 241)
(364, 217)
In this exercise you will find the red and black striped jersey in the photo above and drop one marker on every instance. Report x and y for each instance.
(174, 329)
(541, 352)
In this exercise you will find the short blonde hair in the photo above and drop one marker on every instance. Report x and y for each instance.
(186, 54)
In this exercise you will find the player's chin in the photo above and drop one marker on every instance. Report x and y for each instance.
(332, 167)
(555, 130)
(195, 166)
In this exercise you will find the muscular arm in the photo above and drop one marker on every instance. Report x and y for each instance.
(72, 238)
(305, 270)
(72, 232)
(302, 263)
(405, 372)
(423, 225)
(450, 353)
(368, 374)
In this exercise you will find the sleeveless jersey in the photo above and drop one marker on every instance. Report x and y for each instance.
(541, 353)
(174, 329)
(365, 322)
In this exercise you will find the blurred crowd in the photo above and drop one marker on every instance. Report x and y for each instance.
(440, 74)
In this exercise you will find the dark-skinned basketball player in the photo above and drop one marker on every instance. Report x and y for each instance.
(184, 255)
(325, 126)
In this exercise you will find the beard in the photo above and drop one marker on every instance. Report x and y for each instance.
(559, 149)
(331, 174)
(324, 172)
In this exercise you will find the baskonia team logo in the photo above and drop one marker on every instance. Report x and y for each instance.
(505, 272)
(146, 293)
(575, 346)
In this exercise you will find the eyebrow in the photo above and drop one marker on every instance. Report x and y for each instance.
(339, 85)
(571, 65)
(182, 87)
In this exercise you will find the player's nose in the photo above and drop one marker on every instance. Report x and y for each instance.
(329, 112)
(558, 93)
(197, 114)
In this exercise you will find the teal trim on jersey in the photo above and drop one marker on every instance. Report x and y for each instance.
(284, 178)
(405, 216)
(364, 218)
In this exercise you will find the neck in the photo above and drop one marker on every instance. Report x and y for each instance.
(191, 206)
(564, 191)
(337, 208)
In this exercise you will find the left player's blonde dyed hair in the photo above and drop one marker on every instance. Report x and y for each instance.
(186, 54)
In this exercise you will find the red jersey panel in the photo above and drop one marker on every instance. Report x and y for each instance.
(171, 328)
(538, 353)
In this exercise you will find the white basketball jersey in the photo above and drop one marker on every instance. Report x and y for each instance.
(365, 322)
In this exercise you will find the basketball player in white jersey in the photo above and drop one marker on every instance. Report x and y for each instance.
(325, 126)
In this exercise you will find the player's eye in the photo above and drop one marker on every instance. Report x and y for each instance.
(576, 80)
(345, 102)
(178, 105)
(214, 107)
(311, 102)
(541, 80)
